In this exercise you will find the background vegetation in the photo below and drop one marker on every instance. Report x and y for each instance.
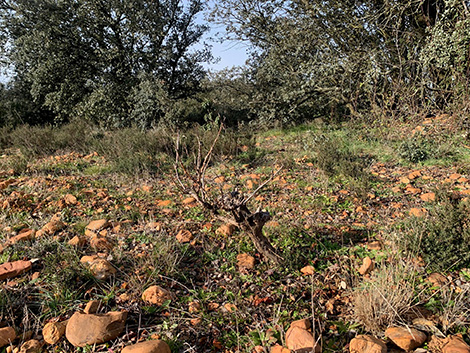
(122, 63)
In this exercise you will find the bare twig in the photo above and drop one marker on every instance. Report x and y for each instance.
(194, 183)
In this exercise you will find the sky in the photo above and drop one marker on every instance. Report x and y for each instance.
(230, 54)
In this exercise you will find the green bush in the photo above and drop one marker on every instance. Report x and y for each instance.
(443, 237)
(416, 149)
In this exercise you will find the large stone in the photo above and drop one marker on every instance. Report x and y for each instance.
(154, 346)
(54, 331)
(77, 241)
(24, 235)
(406, 338)
(226, 229)
(279, 349)
(31, 346)
(94, 227)
(455, 344)
(156, 295)
(299, 337)
(367, 344)
(7, 334)
(92, 307)
(184, 236)
(13, 269)
(100, 243)
(99, 267)
(437, 280)
(51, 227)
(70, 199)
(245, 261)
(367, 266)
(88, 329)
(102, 269)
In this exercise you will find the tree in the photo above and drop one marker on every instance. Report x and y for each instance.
(92, 58)
(323, 57)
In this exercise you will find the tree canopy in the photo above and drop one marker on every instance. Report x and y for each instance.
(99, 59)
(322, 57)
(122, 62)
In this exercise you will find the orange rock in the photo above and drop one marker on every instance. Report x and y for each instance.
(189, 201)
(156, 295)
(100, 268)
(7, 334)
(367, 344)
(299, 338)
(436, 344)
(213, 306)
(455, 176)
(429, 196)
(220, 179)
(226, 230)
(164, 203)
(280, 349)
(245, 261)
(196, 321)
(51, 227)
(152, 346)
(412, 190)
(89, 329)
(414, 174)
(194, 307)
(96, 226)
(184, 236)
(374, 245)
(54, 331)
(100, 243)
(308, 270)
(70, 199)
(156, 226)
(88, 259)
(77, 241)
(24, 235)
(146, 188)
(436, 279)
(13, 269)
(367, 266)
(404, 180)
(35, 276)
(456, 344)
(31, 346)
(230, 307)
(406, 338)
(417, 212)
(92, 307)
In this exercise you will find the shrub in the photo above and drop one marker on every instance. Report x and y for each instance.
(387, 297)
(416, 149)
(442, 238)
(336, 159)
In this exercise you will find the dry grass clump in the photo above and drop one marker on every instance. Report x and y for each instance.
(453, 307)
(387, 297)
